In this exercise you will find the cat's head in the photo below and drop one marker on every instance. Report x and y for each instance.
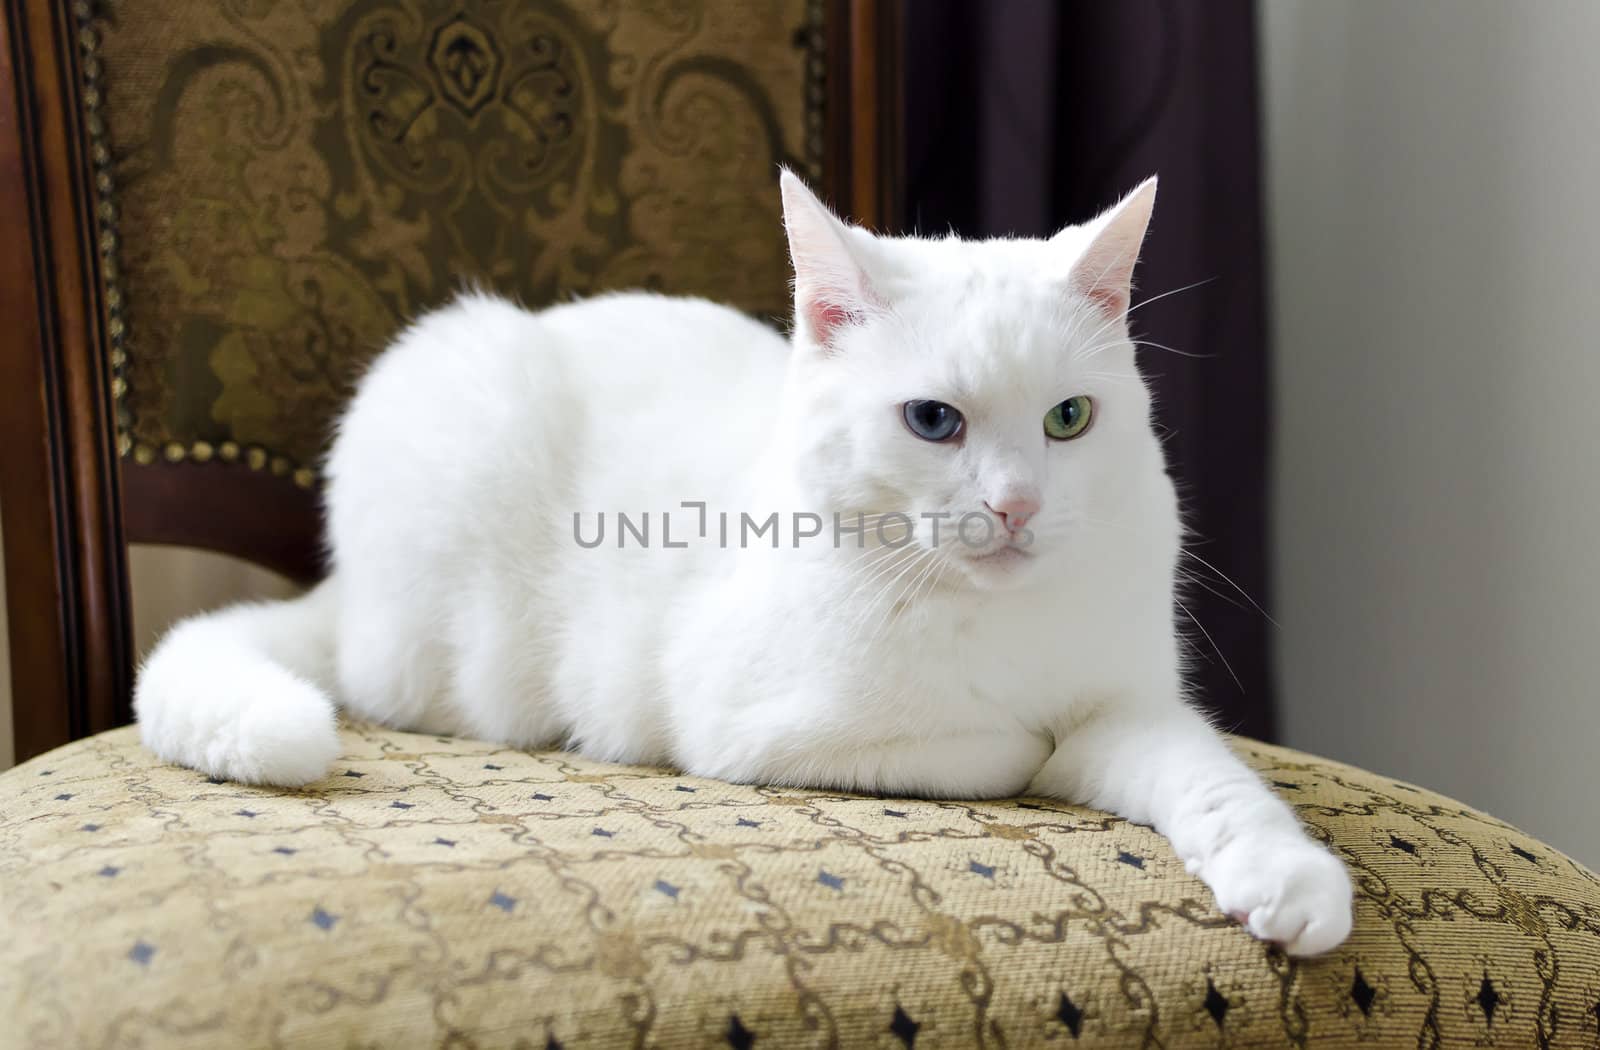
(988, 386)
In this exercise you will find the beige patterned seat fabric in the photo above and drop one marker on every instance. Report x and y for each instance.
(439, 892)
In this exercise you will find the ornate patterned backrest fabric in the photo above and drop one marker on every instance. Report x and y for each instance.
(282, 186)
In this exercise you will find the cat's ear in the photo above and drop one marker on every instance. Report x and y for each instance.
(831, 290)
(1103, 272)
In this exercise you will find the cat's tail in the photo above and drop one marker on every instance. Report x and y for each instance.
(243, 693)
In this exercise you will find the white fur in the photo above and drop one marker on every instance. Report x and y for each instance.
(462, 603)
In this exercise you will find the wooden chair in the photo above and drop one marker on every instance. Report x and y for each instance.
(217, 214)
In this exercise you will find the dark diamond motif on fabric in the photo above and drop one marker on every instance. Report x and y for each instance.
(501, 901)
(894, 813)
(663, 886)
(90, 827)
(602, 833)
(1525, 855)
(1488, 999)
(833, 882)
(401, 805)
(746, 822)
(981, 869)
(110, 871)
(491, 765)
(449, 843)
(63, 797)
(354, 774)
(142, 953)
(323, 920)
(466, 64)
(1363, 993)
(287, 851)
(1399, 843)
(1070, 1014)
(685, 788)
(1216, 1003)
(904, 1028)
(540, 797)
(1132, 860)
(739, 1037)
(1287, 785)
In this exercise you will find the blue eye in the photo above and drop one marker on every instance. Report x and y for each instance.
(932, 420)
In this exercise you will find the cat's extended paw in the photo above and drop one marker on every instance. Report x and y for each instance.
(1287, 891)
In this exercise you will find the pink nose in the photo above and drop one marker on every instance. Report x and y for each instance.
(1014, 511)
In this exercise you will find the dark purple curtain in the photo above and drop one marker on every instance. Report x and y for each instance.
(1025, 115)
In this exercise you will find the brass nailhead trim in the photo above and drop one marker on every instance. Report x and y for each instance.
(816, 88)
(107, 239)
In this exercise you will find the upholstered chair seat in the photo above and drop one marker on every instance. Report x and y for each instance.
(437, 892)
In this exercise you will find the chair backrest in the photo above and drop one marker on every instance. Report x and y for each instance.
(231, 207)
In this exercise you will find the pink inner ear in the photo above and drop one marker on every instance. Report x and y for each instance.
(826, 318)
(1113, 302)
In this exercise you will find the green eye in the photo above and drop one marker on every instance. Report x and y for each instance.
(1069, 419)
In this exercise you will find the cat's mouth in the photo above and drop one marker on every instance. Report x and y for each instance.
(1006, 555)
(999, 567)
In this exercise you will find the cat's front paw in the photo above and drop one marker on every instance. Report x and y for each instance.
(1285, 890)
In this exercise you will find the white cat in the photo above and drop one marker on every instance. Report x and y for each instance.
(1002, 622)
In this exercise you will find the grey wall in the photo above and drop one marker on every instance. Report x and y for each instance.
(1434, 215)
(168, 583)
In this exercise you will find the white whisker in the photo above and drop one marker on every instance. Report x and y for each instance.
(1146, 302)
(1189, 577)
(896, 604)
(904, 566)
(1172, 350)
(1214, 647)
(889, 558)
(1225, 579)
